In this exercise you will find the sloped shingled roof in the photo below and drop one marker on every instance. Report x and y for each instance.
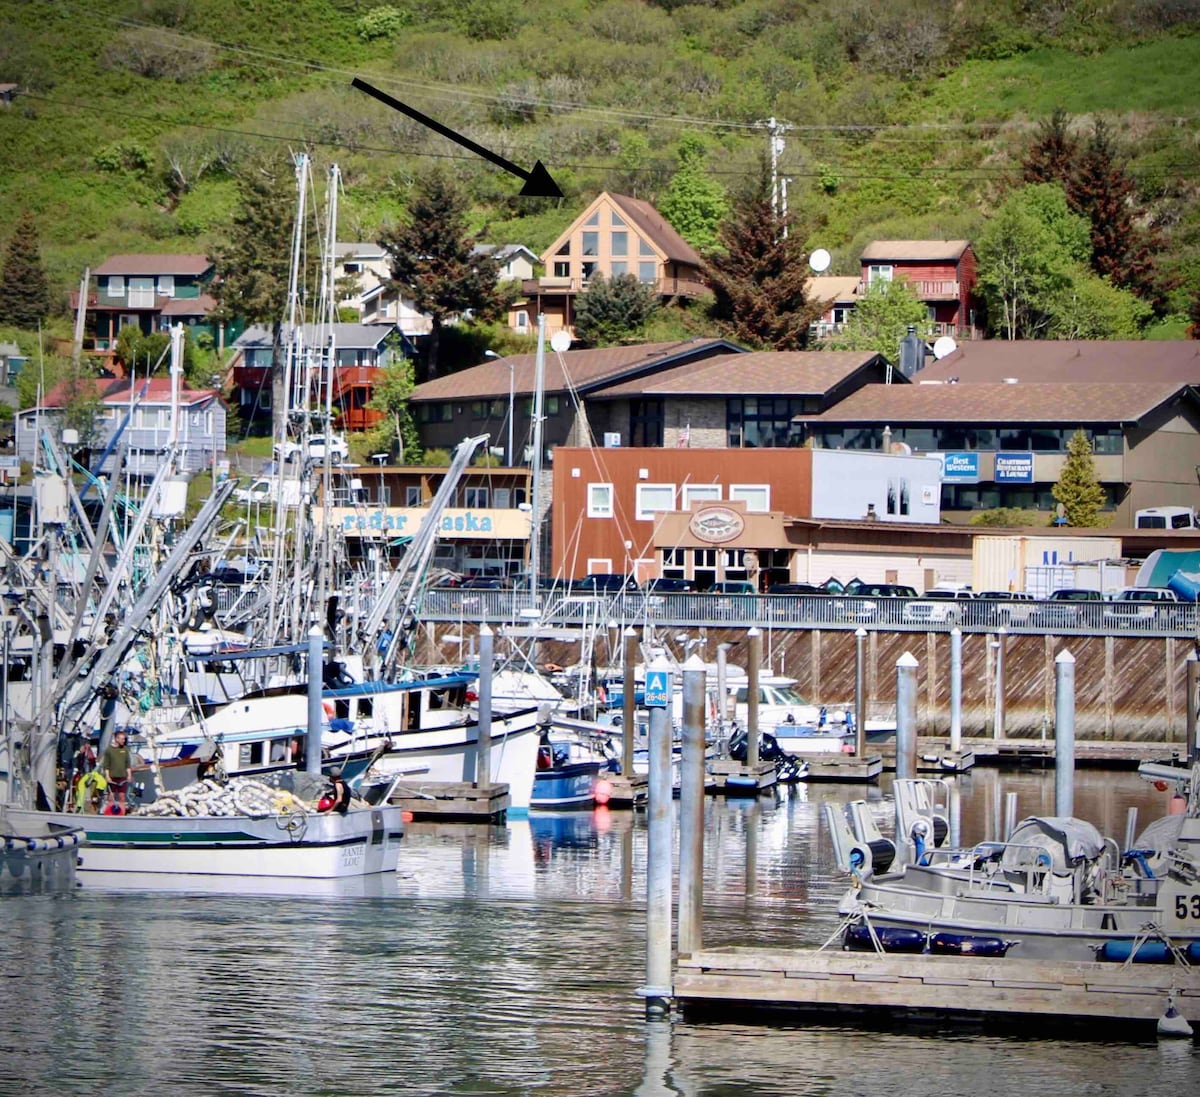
(584, 369)
(1074, 360)
(1031, 402)
(654, 226)
(149, 265)
(780, 373)
(915, 249)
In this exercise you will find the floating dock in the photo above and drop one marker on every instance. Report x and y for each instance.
(725, 777)
(833, 766)
(460, 801)
(839, 985)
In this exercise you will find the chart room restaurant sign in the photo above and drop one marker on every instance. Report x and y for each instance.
(716, 525)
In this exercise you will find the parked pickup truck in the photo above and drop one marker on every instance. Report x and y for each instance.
(270, 491)
(1145, 606)
(939, 606)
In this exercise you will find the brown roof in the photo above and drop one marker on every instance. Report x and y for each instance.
(832, 287)
(915, 249)
(583, 368)
(1030, 402)
(780, 373)
(155, 264)
(190, 306)
(654, 226)
(1069, 360)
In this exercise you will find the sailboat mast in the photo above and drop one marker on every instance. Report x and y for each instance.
(535, 514)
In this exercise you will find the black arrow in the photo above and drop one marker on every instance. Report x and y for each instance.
(538, 182)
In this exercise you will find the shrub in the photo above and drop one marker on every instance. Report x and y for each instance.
(1007, 516)
(382, 22)
(436, 458)
(158, 55)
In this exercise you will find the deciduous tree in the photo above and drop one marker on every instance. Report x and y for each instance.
(433, 264)
(24, 288)
(694, 203)
(1078, 489)
(758, 277)
(390, 395)
(613, 312)
(881, 318)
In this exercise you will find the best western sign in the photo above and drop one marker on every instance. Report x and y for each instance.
(455, 523)
(960, 468)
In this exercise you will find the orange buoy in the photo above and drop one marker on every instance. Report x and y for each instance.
(602, 792)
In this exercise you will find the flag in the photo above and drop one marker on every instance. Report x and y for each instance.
(685, 437)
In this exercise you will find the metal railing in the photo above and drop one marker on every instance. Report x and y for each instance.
(803, 611)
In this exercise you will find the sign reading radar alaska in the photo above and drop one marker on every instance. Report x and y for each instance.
(716, 525)
(454, 523)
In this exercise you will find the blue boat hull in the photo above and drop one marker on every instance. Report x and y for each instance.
(568, 786)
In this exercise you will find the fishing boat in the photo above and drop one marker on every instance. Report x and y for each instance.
(569, 774)
(425, 727)
(244, 829)
(37, 856)
(1055, 889)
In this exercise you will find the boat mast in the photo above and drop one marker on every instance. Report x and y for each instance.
(535, 514)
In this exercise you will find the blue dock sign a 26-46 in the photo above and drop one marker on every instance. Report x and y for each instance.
(658, 688)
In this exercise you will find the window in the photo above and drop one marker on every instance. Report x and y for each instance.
(648, 272)
(166, 285)
(589, 270)
(620, 243)
(699, 493)
(653, 499)
(757, 497)
(352, 268)
(616, 220)
(645, 247)
(764, 421)
(141, 293)
(879, 272)
(594, 219)
(591, 243)
(502, 498)
(412, 495)
(600, 501)
(475, 497)
(116, 285)
(522, 320)
(619, 269)
(565, 249)
(646, 422)
(562, 270)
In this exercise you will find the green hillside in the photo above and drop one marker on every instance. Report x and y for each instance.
(907, 116)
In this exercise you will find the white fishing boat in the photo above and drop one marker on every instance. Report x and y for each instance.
(37, 856)
(1055, 889)
(259, 832)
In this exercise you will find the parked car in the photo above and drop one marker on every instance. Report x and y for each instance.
(938, 606)
(339, 451)
(1069, 607)
(604, 583)
(735, 598)
(485, 582)
(796, 588)
(670, 586)
(1005, 607)
(1145, 607)
(870, 602)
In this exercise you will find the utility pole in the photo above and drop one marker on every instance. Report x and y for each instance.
(775, 132)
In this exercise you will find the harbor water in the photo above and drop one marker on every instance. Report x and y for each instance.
(505, 961)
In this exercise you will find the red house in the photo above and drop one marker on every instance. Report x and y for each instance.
(941, 271)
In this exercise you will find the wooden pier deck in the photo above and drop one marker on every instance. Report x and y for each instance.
(452, 800)
(728, 982)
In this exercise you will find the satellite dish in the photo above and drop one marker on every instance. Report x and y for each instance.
(560, 341)
(819, 260)
(943, 346)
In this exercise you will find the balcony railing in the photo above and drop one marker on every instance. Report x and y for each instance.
(926, 289)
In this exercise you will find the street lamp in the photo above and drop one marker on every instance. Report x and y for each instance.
(511, 382)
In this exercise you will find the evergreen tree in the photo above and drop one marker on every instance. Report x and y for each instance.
(1052, 156)
(759, 277)
(881, 318)
(24, 287)
(694, 204)
(613, 312)
(1103, 192)
(253, 269)
(1078, 489)
(433, 264)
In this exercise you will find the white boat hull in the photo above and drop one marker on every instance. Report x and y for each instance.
(316, 846)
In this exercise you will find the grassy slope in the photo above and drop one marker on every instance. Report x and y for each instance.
(698, 62)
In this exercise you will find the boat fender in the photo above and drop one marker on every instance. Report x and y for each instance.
(1172, 1023)
(1122, 951)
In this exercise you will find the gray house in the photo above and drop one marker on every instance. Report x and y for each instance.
(140, 412)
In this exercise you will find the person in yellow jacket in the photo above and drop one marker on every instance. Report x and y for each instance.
(89, 792)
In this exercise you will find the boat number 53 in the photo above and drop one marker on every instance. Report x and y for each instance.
(1187, 906)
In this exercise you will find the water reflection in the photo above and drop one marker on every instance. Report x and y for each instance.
(504, 960)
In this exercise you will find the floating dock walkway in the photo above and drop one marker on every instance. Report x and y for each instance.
(729, 982)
